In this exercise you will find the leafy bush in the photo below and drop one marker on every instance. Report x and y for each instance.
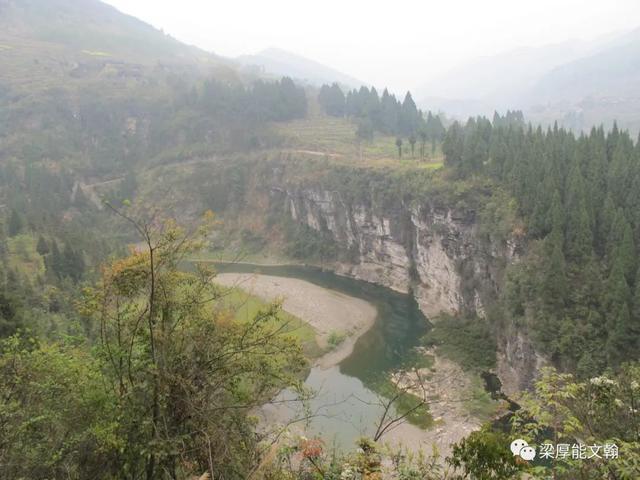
(467, 340)
(336, 338)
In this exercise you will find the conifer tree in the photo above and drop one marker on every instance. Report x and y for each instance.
(627, 252)
(389, 111)
(635, 304)
(578, 237)
(409, 117)
(364, 130)
(73, 264)
(42, 247)
(606, 217)
(453, 145)
(619, 325)
(56, 263)
(555, 279)
(15, 224)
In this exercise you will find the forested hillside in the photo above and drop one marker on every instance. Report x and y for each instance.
(578, 289)
(87, 101)
(89, 98)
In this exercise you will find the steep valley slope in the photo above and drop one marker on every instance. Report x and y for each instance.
(407, 228)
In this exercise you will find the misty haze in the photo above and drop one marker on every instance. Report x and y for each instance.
(275, 240)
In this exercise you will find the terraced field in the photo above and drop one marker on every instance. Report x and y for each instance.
(335, 138)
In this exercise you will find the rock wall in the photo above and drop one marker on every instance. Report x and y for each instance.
(430, 250)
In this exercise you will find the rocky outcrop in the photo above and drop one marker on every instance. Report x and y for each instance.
(430, 250)
(518, 362)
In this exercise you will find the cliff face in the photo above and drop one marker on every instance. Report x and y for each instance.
(432, 251)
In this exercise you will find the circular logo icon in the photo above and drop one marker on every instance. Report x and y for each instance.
(528, 453)
(518, 445)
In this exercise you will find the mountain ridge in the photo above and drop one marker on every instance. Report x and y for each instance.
(279, 62)
(578, 83)
(96, 27)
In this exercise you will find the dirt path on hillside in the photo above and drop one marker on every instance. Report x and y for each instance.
(316, 153)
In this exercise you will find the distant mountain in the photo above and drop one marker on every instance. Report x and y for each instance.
(611, 70)
(274, 61)
(497, 81)
(456, 107)
(579, 84)
(92, 27)
(601, 87)
(72, 44)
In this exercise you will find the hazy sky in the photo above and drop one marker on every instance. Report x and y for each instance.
(397, 43)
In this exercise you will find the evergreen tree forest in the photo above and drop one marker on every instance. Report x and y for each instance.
(261, 102)
(578, 288)
(381, 113)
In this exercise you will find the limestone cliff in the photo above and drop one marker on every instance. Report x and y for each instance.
(430, 250)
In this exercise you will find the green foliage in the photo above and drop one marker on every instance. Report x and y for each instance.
(274, 101)
(305, 243)
(10, 320)
(246, 307)
(15, 224)
(467, 340)
(165, 392)
(405, 402)
(336, 338)
(42, 247)
(23, 257)
(365, 130)
(578, 236)
(576, 201)
(332, 100)
(383, 114)
(57, 418)
(598, 411)
(485, 455)
(499, 220)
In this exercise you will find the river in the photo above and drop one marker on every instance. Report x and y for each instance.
(346, 406)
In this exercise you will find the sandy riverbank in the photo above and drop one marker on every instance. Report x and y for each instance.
(327, 311)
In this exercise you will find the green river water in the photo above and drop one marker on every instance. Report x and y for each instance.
(346, 406)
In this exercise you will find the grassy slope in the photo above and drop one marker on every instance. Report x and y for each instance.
(336, 139)
(23, 257)
(247, 306)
